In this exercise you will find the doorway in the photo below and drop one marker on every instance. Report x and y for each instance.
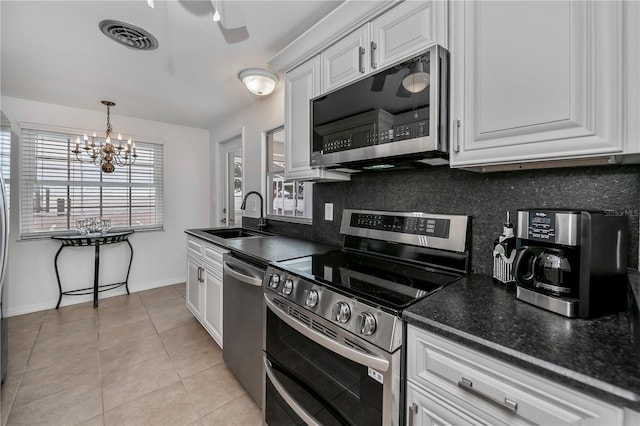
(229, 186)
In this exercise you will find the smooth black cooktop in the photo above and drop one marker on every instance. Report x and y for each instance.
(385, 282)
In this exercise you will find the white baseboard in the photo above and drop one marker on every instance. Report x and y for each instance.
(74, 300)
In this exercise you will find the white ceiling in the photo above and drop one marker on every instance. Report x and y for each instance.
(53, 51)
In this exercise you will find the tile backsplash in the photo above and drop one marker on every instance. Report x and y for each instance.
(485, 197)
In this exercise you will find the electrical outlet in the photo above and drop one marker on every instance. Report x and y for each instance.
(328, 211)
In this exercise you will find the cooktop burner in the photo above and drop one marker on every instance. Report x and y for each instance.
(388, 261)
(382, 281)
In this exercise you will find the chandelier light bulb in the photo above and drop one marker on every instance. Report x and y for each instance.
(216, 16)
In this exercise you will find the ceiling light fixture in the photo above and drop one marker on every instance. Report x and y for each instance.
(105, 156)
(417, 80)
(150, 3)
(258, 81)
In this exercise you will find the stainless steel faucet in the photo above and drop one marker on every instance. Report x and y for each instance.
(262, 223)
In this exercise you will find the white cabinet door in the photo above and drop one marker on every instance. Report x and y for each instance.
(194, 287)
(212, 319)
(632, 71)
(301, 85)
(535, 80)
(406, 30)
(345, 61)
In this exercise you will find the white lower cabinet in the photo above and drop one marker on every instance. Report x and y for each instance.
(212, 315)
(194, 287)
(204, 285)
(449, 383)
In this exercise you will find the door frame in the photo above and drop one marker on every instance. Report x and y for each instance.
(219, 176)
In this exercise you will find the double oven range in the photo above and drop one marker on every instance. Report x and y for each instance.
(333, 341)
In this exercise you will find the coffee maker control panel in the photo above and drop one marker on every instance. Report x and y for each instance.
(556, 227)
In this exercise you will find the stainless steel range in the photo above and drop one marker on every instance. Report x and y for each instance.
(333, 335)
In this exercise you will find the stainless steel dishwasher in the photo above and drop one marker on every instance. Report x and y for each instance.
(243, 322)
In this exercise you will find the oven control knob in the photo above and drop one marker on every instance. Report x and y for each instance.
(341, 312)
(310, 298)
(274, 281)
(366, 324)
(288, 286)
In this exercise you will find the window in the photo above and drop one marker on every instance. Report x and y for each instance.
(285, 198)
(57, 189)
(5, 155)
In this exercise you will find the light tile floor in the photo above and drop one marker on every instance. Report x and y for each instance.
(141, 359)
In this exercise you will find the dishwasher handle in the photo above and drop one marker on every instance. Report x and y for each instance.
(247, 279)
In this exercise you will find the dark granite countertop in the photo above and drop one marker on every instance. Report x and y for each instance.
(599, 356)
(270, 248)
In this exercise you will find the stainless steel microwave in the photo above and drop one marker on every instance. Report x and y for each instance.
(396, 117)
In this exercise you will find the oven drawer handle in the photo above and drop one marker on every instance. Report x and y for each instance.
(242, 277)
(358, 357)
(293, 404)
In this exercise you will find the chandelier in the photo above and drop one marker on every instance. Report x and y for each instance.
(106, 155)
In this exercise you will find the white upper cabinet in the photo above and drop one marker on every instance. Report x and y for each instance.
(301, 85)
(632, 76)
(346, 60)
(400, 33)
(535, 80)
(407, 29)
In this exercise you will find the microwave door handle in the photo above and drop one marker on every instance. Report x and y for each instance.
(358, 357)
(291, 402)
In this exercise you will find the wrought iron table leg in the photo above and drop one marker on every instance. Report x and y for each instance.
(55, 264)
(126, 280)
(96, 274)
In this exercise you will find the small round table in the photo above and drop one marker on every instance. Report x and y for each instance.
(96, 241)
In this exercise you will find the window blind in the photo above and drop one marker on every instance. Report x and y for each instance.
(57, 189)
(5, 155)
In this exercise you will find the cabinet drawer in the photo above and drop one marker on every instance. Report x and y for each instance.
(425, 407)
(497, 388)
(195, 247)
(213, 255)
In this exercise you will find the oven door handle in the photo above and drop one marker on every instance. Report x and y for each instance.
(358, 357)
(293, 404)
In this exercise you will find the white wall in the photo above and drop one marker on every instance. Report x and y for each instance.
(264, 114)
(160, 256)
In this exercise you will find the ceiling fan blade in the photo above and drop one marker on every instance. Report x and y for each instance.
(233, 35)
(232, 23)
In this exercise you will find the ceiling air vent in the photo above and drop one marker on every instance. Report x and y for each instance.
(128, 35)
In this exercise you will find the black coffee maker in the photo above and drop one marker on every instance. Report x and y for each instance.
(572, 262)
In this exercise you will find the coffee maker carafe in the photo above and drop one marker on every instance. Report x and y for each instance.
(571, 262)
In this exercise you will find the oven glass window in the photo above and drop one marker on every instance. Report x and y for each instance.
(333, 389)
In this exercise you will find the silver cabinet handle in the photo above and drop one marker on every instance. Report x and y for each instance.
(358, 357)
(199, 274)
(456, 136)
(508, 404)
(413, 410)
(293, 404)
(242, 277)
(361, 59)
(374, 48)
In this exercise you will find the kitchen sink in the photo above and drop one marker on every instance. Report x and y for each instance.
(233, 233)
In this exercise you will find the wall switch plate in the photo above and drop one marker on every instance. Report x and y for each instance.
(328, 211)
